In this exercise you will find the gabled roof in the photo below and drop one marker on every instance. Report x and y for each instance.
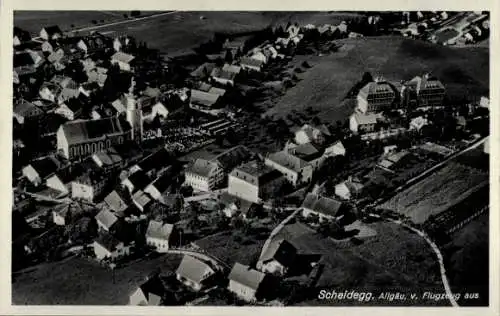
(24, 108)
(253, 62)
(322, 205)
(231, 68)
(158, 159)
(202, 167)
(21, 34)
(369, 118)
(153, 289)
(255, 173)
(46, 165)
(107, 241)
(279, 250)
(246, 276)
(193, 269)
(306, 151)
(82, 131)
(285, 159)
(217, 91)
(70, 208)
(122, 57)
(141, 198)
(234, 157)
(107, 218)
(139, 180)
(115, 202)
(375, 87)
(222, 74)
(203, 70)
(203, 98)
(109, 157)
(23, 59)
(159, 230)
(426, 82)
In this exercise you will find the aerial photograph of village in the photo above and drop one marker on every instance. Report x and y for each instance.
(250, 158)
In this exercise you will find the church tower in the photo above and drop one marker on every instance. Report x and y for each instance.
(134, 114)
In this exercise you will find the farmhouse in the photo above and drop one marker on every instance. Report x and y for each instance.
(296, 170)
(204, 175)
(249, 63)
(335, 149)
(364, 123)
(277, 258)
(254, 182)
(194, 273)
(160, 188)
(115, 202)
(202, 100)
(123, 60)
(107, 246)
(141, 200)
(106, 220)
(27, 112)
(349, 189)
(160, 235)
(40, 168)
(65, 214)
(246, 282)
(88, 186)
(323, 207)
(375, 96)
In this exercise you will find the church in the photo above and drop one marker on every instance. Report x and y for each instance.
(79, 139)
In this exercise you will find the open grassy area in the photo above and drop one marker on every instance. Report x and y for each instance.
(466, 261)
(393, 260)
(438, 192)
(33, 21)
(325, 84)
(78, 281)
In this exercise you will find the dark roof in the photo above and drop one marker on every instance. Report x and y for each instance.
(156, 160)
(46, 166)
(153, 289)
(203, 70)
(234, 157)
(139, 179)
(128, 151)
(91, 177)
(219, 73)
(279, 250)
(245, 275)
(322, 205)
(256, 173)
(81, 131)
(164, 182)
(23, 59)
(22, 34)
(51, 30)
(192, 269)
(107, 241)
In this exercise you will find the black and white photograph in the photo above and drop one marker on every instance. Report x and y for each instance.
(251, 158)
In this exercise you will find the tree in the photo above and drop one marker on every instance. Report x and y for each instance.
(135, 13)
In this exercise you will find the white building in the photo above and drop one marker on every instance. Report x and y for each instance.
(204, 175)
(159, 235)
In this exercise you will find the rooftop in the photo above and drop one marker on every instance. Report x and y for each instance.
(107, 218)
(192, 269)
(376, 87)
(122, 57)
(159, 230)
(107, 241)
(82, 131)
(203, 98)
(322, 205)
(234, 157)
(115, 202)
(286, 159)
(202, 167)
(255, 173)
(247, 276)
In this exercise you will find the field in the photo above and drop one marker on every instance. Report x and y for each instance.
(466, 261)
(33, 21)
(393, 259)
(325, 84)
(437, 192)
(78, 281)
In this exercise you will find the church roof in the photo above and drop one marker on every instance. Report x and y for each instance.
(84, 131)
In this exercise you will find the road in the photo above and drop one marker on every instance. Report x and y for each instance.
(96, 27)
(436, 250)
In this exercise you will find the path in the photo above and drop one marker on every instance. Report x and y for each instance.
(436, 250)
(95, 27)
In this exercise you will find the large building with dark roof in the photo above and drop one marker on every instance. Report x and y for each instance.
(79, 139)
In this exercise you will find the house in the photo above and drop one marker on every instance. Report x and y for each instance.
(56, 56)
(323, 207)
(109, 161)
(40, 168)
(26, 62)
(194, 273)
(218, 91)
(246, 283)
(418, 123)
(296, 170)
(93, 44)
(389, 161)
(116, 202)
(277, 257)
(27, 112)
(203, 100)
(58, 182)
(364, 123)
(51, 33)
(204, 175)
(65, 214)
(157, 163)
(89, 186)
(106, 220)
(136, 181)
(429, 90)
(224, 77)
(254, 181)
(160, 235)
(349, 189)
(309, 133)
(141, 200)
(123, 60)
(150, 293)
(234, 157)
(375, 96)
(236, 206)
(107, 246)
(203, 71)
(336, 149)
(78, 139)
(20, 36)
(160, 188)
(484, 102)
(251, 63)
(67, 94)
(70, 110)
